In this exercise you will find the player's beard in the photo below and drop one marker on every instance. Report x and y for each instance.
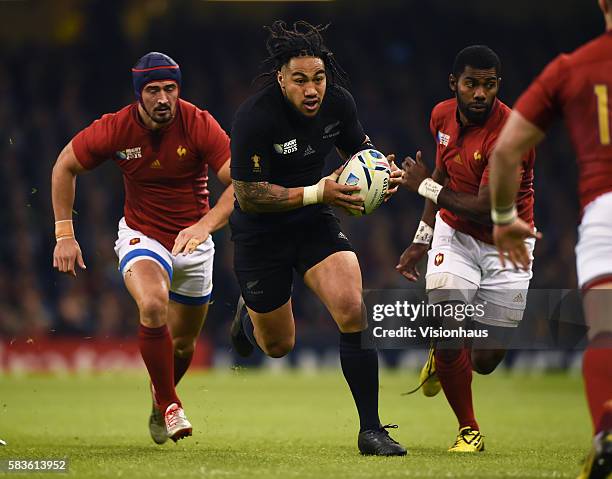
(475, 117)
(162, 120)
(155, 117)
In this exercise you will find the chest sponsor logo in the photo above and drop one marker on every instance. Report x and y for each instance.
(309, 150)
(286, 148)
(331, 130)
(256, 165)
(181, 151)
(477, 156)
(155, 164)
(443, 138)
(129, 153)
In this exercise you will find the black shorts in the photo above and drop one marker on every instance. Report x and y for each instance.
(264, 262)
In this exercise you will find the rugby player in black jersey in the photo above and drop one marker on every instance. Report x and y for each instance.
(283, 221)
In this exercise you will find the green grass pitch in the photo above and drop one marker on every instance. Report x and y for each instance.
(250, 424)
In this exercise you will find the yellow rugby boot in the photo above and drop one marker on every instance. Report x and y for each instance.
(468, 440)
(428, 377)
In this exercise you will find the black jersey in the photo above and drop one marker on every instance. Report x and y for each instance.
(272, 142)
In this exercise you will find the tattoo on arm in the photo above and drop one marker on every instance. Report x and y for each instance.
(263, 197)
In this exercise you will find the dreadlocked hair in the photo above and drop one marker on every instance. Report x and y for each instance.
(302, 40)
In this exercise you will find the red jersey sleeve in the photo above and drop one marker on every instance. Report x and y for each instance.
(433, 128)
(539, 104)
(94, 144)
(212, 141)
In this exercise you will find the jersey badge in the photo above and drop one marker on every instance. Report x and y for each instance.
(457, 159)
(181, 151)
(129, 153)
(256, 166)
(443, 138)
(155, 164)
(287, 147)
(438, 259)
(329, 131)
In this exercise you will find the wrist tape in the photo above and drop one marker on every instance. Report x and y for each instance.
(430, 189)
(64, 230)
(504, 216)
(424, 234)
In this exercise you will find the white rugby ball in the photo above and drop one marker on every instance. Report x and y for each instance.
(368, 169)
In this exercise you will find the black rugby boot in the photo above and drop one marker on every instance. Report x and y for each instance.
(377, 442)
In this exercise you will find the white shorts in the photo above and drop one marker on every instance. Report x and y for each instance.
(462, 268)
(190, 275)
(594, 248)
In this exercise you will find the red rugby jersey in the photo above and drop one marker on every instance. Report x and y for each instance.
(464, 151)
(578, 87)
(165, 173)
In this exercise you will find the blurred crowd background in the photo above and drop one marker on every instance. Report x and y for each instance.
(65, 63)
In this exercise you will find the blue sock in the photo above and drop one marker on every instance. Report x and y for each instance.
(360, 368)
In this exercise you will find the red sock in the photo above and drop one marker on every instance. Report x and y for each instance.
(605, 422)
(454, 369)
(180, 367)
(597, 372)
(156, 350)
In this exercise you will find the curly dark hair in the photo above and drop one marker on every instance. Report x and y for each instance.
(303, 39)
(476, 56)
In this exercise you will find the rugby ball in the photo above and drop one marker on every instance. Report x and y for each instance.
(368, 169)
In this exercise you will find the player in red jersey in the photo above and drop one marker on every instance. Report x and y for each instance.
(463, 266)
(164, 146)
(576, 87)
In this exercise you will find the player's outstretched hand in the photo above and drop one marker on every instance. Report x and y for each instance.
(395, 179)
(340, 195)
(190, 238)
(409, 260)
(66, 255)
(510, 242)
(414, 172)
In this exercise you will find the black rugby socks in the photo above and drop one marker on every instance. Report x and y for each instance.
(360, 369)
